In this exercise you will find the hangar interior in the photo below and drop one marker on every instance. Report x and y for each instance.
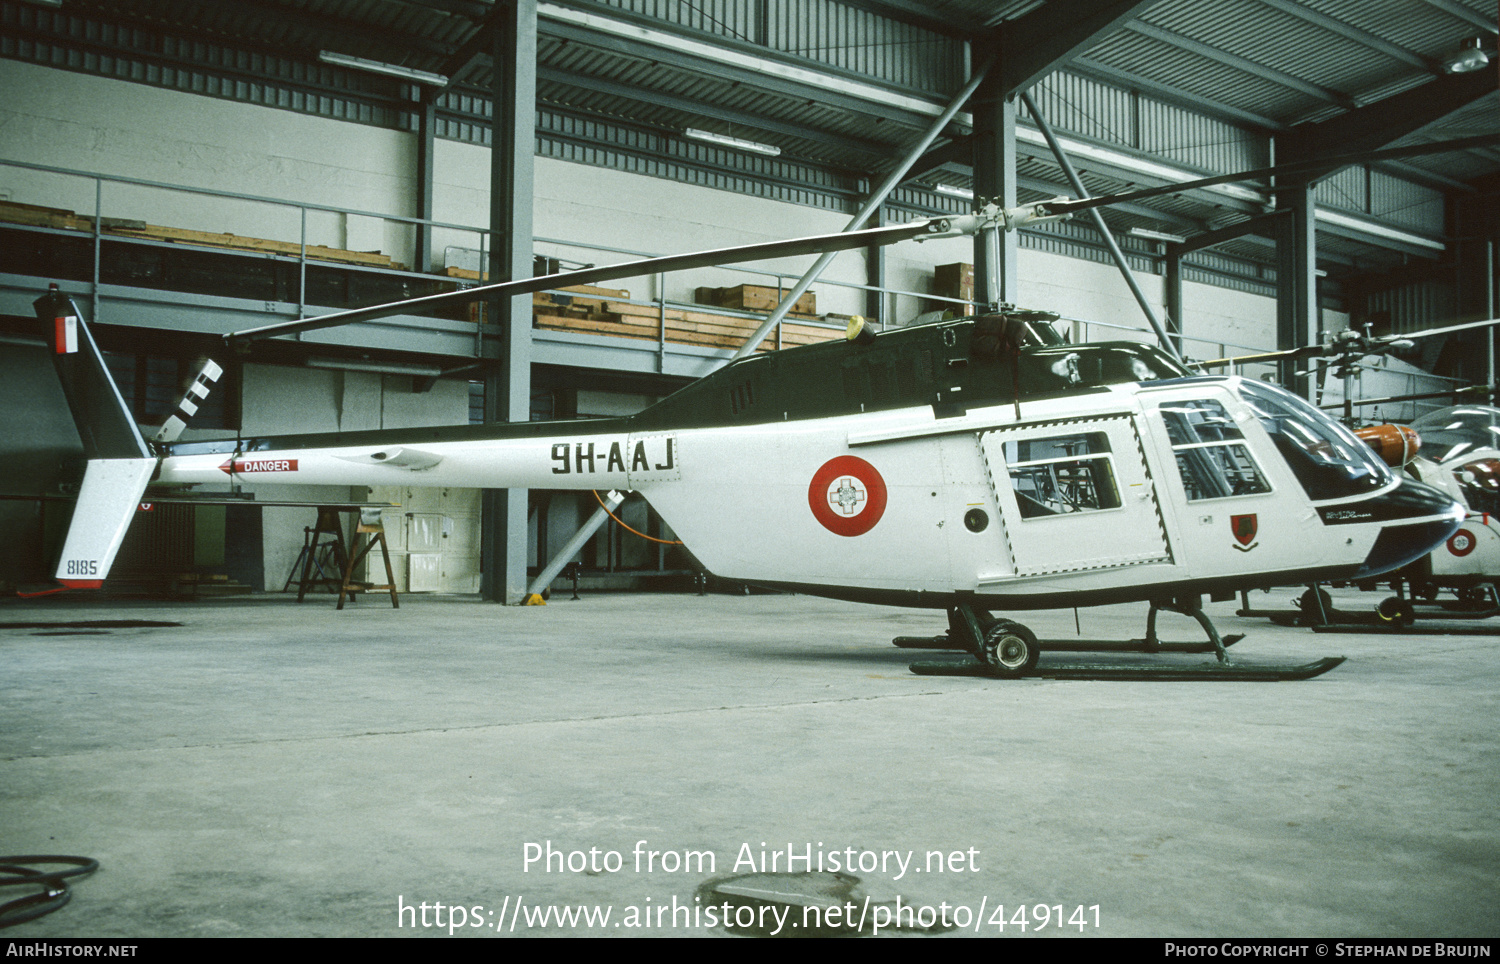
(184, 169)
(239, 764)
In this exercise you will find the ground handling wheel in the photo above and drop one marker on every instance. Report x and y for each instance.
(1010, 649)
(1397, 611)
(1315, 605)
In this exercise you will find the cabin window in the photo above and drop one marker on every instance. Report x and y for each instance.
(1327, 459)
(1062, 475)
(1212, 455)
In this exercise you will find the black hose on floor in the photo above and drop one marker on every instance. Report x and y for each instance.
(53, 894)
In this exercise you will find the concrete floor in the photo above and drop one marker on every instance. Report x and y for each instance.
(273, 769)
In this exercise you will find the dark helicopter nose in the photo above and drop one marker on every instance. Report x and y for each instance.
(1421, 519)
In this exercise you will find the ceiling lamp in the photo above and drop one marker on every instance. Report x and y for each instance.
(1151, 235)
(379, 67)
(953, 191)
(735, 143)
(1470, 56)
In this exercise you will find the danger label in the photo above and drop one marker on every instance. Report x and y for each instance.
(246, 466)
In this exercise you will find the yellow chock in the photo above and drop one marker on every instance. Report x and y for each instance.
(534, 600)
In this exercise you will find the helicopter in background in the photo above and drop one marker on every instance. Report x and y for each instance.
(1460, 455)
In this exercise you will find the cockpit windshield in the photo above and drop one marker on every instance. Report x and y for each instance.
(1326, 458)
(1454, 432)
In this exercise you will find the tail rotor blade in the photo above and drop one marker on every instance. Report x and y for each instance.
(196, 393)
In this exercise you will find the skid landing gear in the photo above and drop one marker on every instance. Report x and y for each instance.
(1006, 649)
(1394, 614)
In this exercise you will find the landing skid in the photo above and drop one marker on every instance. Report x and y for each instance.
(1076, 645)
(1004, 648)
(1395, 614)
(1208, 672)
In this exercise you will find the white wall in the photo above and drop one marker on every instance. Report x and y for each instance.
(89, 123)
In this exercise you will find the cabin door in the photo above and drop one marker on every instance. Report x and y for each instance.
(1075, 494)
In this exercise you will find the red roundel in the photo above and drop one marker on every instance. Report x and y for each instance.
(847, 496)
(1462, 542)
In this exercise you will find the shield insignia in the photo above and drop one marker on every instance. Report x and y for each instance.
(1244, 528)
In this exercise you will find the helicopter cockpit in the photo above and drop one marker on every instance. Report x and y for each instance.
(1327, 459)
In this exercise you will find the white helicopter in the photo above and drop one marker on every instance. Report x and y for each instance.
(969, 465)
(1457, 452)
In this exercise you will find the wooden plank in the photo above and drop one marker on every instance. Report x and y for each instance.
(36, 216)
(155, 232)
(468, 275)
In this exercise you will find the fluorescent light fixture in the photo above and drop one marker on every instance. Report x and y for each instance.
(381, 368)
(378, 67)
(952, 191)
(1470, 56)
(1151, 235)
(735, 143)
(1378, 230)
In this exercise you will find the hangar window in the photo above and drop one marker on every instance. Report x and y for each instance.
(1212, 456)
(1062, 475)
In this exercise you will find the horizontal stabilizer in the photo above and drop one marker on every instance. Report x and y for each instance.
(107, 503)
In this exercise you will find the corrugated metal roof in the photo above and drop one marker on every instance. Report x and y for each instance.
(1202, 85)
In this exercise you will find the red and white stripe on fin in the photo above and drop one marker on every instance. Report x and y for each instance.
(66, 334)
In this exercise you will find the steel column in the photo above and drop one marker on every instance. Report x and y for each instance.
(997, 272)
(508, 385)
(426, 156)
(1297, 283)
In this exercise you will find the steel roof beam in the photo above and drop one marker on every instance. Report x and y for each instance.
(805, 82)
(1218, 56)
(475, 10)
(328, 29)
(920, 15)
(1047, 38)
(473, 51)
(672, 102)
(1381, 123)
(1455, 9)
(1170, 94)
(1350, 32)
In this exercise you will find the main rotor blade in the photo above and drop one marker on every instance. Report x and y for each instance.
(761, 251)
(1341, 160)
(1269, 356)
(1429, 332)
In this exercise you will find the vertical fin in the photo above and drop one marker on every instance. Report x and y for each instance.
(104, 424)
(119, 462)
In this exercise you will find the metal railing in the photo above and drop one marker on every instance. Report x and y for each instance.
(309, 226)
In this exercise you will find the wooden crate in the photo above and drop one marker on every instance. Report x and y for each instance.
(706, 328)
(952, 281)
(756, 298)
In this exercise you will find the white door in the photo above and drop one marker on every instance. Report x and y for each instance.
(1075, 495)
